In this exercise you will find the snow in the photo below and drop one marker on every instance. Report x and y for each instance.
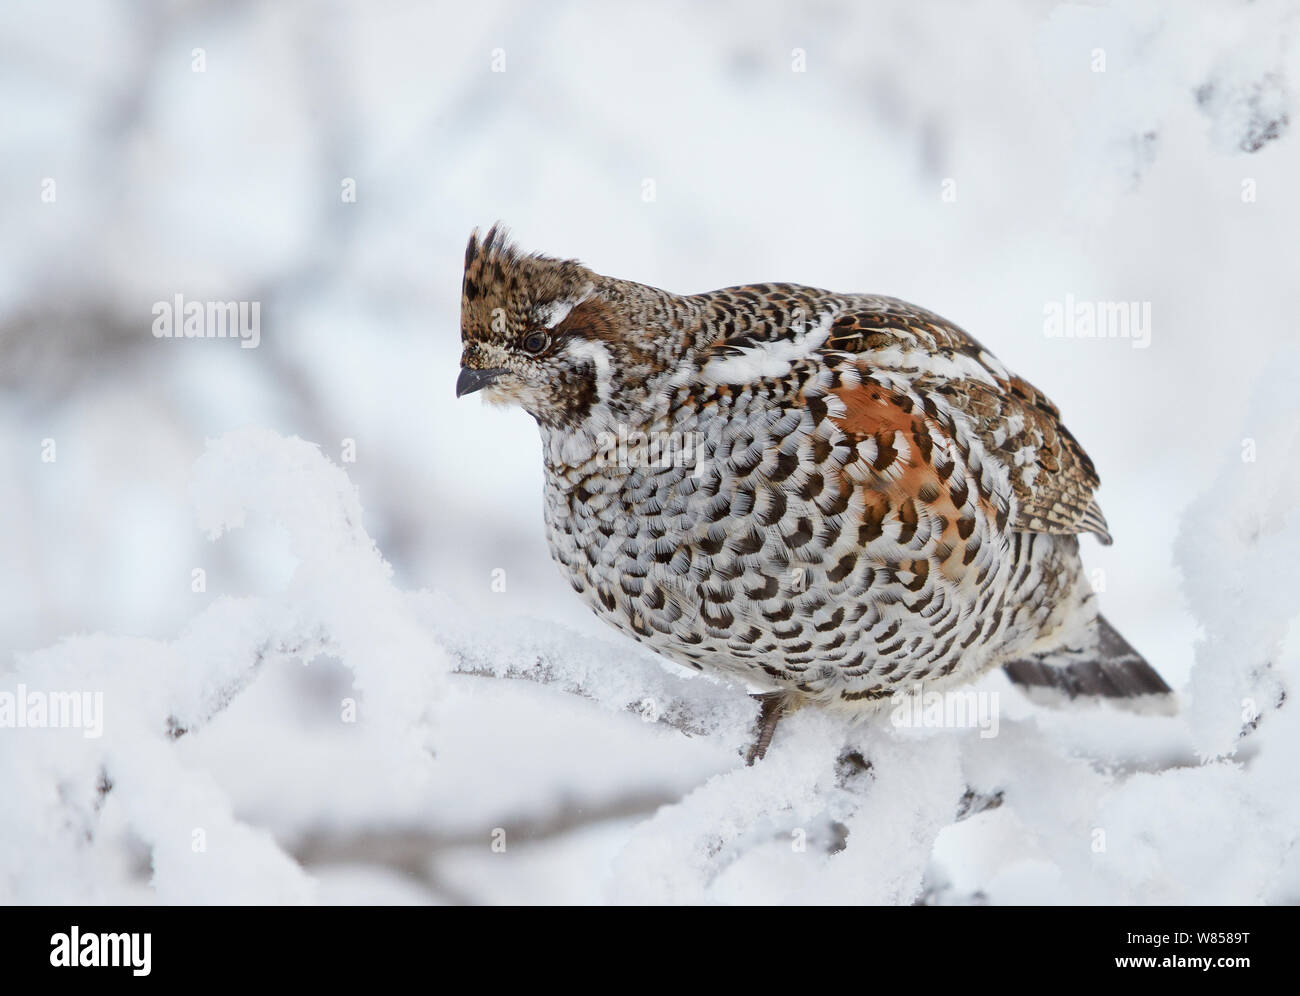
(382, 669)
(1094, 831)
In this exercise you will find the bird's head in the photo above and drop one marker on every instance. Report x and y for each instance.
(535, 332)
(573, 348)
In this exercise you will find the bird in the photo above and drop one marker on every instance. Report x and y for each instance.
(831, 498)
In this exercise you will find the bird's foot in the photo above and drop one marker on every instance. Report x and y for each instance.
(772, 706)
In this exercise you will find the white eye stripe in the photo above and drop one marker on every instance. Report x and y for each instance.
(554, 312)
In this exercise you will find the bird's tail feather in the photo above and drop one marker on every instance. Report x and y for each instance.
(1106, 669)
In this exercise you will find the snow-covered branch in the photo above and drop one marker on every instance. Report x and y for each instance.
(838, 811)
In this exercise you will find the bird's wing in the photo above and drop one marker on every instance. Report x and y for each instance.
(1051, 476)
(921, 372)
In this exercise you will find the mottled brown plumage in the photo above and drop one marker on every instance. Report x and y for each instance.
(830, 496)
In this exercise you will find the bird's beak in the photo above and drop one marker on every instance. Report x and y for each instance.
(471, 380)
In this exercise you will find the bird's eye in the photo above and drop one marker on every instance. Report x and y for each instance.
(535, 342)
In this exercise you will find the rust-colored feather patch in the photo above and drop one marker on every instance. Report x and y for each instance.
(906, 449)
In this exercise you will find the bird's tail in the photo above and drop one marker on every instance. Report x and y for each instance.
(1105, 668)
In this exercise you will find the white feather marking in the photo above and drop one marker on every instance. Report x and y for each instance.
(903, 448)
(992, 362)
(550, 315)
(959, 366)
(554, 312)
(598, 353)
(835, 406)
(766, 359)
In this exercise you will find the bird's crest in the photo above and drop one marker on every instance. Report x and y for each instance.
(505, 290)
